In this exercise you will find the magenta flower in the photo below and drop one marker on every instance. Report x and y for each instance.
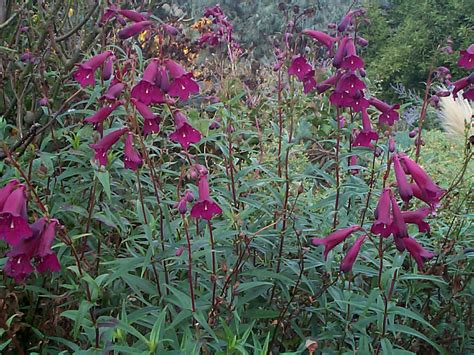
(299, 67)
(327, 84)
(131, 158)
(162, 79)
(388, 114)
(351, 83)
(38, 247)
(367, 134)
(134, 29)
(323, 38)
(359, 102)
(417, 217)
(334, 239)
(184, 133)
(404, 187)
(133, 15)
(469, 94)
(113, 92)
(461, 84)
(466, 58)
(6, 191)
(340, 52)
(171, 30)
(98, 118)
(102, 147)
(383, 220)
(346, 21)
(351, 60)
(351, 256)
(429, 190)
(309, 83)
(176, 70)
(13, 218)
(417, 252)
(341, 99)
(205, 207)
(146, 90)
(108, 68)
(183, 86)
(151, 122)
(84, 74)
(399, 227)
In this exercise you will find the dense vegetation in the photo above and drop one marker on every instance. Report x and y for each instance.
(174, 182)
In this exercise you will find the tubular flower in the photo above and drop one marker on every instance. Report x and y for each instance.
(466, 58)
(113, 92)
(102, 147)
(417, 217)
(205, 207)
(334, 239)
(340, 52)
(183, 86)
(131, 158)
(184, 133)
(134, 29)
(98, 118)
(299, 67)
(359, 102)
(341, 99)
(417, 252)
(367, 134)
(351, 83)
(428, 189)
(399, 227)
(85, 72)
(13, 219)
(383, 220)
(404, 187)
(346, 21)
(309, 83)
(133, 15)
(108, 67)
(146, 90)
(38, 248)
(323, 38)
(388, 114)
(351, 256)
(151, 122)
(6, 191)
(351, 60)
(325, 85)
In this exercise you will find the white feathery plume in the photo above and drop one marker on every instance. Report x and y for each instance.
(456, 116)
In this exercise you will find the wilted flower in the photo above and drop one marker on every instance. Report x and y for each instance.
(334, 239)
(131, 158)
(102, 147)
(134, 29)
(351, 256)
(383, 220)
(205, 207)
(417, 251)
(184, 133)
(13, 219)
(84, 74)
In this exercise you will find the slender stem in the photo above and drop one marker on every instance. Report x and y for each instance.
(214, 268)
(280, 123)
(423, 115)
(338, 187)
(190, 264)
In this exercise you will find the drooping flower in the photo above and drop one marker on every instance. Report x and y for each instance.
(340, 52)
(146, 90)
(134, 29)
(461, 84)
(429, 190)
(399, 227)
(182, 206)
(113, 92)
(309, 82)
(352, 61)
(98, 118)
(171, 30)
(404, 187)
(131, 158)
(383, 220)
(351, 256)
(85, 72)
(323, 38)
(6, 191)
(367, 134)
(133, 15)
(102, 147)
(351, 83)
(108, 68)
(466, 58)
(13, 218)
(346, 21)
(183, 86)
(388, 114)
(359, 102)
(151, 122)
(299, 67)
(334, 239)
(341, 98)
(417, 251)
(417, 217)
(325, 85)
(205, 207)
(469, 94)
(184, 133)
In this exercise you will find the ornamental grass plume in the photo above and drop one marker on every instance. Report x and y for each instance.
(456, 116)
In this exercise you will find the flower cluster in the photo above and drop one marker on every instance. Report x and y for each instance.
(30, 244)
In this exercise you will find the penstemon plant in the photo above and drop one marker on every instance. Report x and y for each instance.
(178, 208)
